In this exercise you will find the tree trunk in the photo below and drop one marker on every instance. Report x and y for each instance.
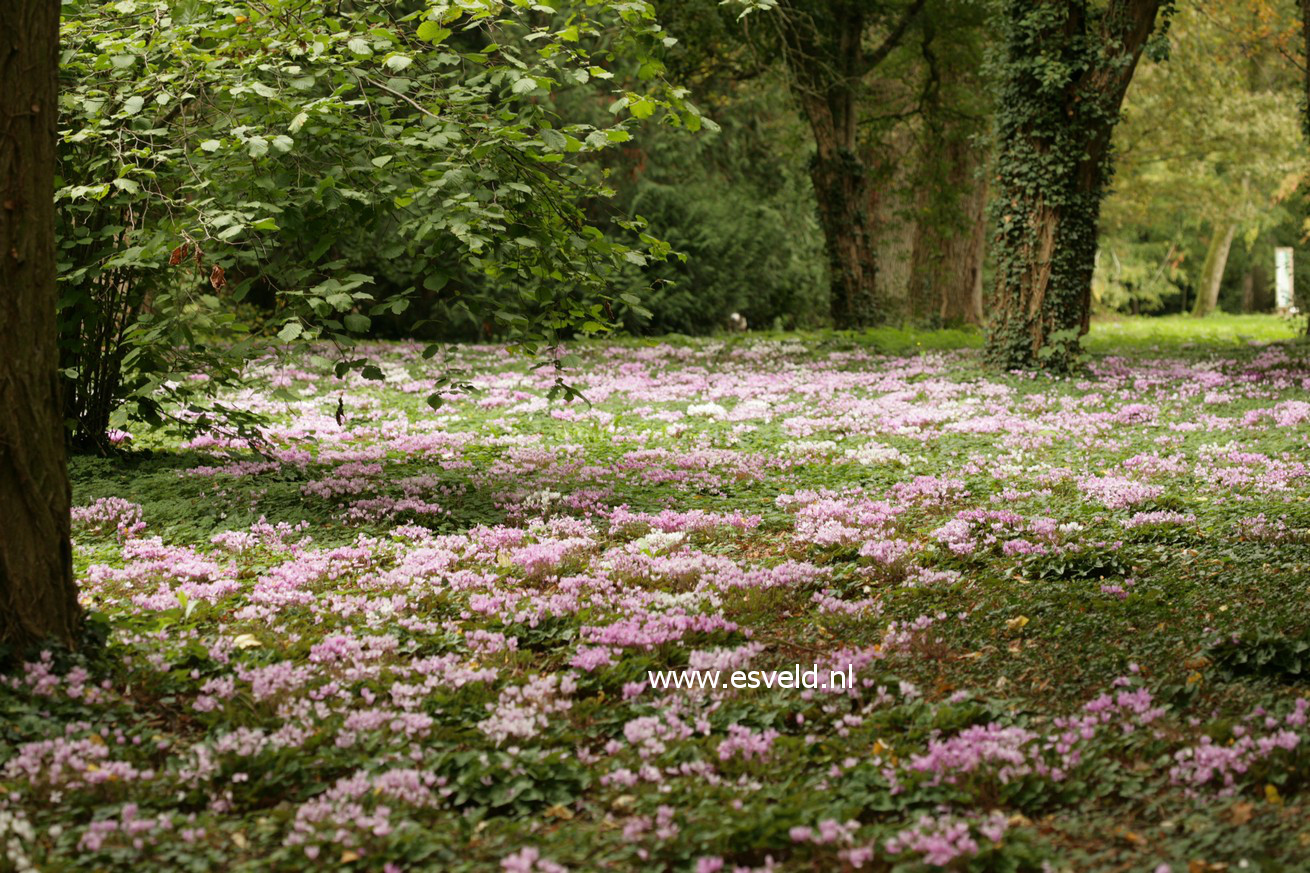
(1212, 272)
(1053, 167)
(1305, 58)
(892, 205)
(823, 49)
(1248, 291)
(38, 599)
(842, 191)
(950, 243)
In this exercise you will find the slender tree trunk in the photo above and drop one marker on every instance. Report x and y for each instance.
(1212, 272)
(1305, 81)
(949, 245)
(1053, 167)
(38, 599)
(1264, 292)
(1248, 291)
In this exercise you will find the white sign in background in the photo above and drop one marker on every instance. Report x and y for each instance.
(1283, 278)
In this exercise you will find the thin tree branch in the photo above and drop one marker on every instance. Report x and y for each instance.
(894, 38)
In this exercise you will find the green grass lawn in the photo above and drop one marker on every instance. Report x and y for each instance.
(1108, 335)
(1111, 336)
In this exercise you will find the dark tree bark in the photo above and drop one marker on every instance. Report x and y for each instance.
(38, 599)
(1053, 166)
(892, 161)
(823, 47)
(1305, 38)
(949, 243)
(1305, 116)
(950, 225)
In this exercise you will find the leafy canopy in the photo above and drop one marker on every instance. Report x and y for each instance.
(212, 150)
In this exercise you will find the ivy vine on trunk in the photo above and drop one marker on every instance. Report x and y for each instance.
(1065, 66)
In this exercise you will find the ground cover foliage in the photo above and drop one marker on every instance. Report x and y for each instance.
(396, 638)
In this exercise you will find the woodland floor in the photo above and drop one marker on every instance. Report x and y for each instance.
(418, 640)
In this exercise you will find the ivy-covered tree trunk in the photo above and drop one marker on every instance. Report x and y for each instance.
(1067, 65)
(823, 48)
(37, 597)
(1212, 272)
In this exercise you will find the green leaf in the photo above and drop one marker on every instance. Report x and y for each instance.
(553, 139)
(133, 104)
(290, 331)
(433, 32)
(642, 108)
(257, 146)
(357, 323)
(210, 145)
(526, 85)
